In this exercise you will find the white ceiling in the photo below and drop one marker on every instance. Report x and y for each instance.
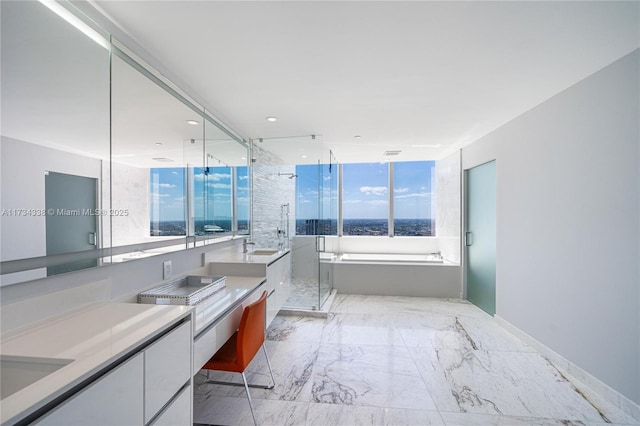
(422, 77)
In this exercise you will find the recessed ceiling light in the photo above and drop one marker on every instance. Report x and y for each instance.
(388, 153)
(163, 159)
(158, 143)
(243, 158)
(357, 137)
(193, 122)
(272, 119)
(303, 156)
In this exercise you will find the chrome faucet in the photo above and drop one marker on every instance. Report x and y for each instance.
(245, 243)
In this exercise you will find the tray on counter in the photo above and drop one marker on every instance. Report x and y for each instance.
(185, 291)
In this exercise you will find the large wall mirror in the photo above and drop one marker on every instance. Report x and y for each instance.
(102, 160)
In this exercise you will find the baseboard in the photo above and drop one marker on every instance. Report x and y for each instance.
(575, 372)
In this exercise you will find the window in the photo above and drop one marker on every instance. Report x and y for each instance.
(211, 205)
(365, 198)
(167, 202)
(413, 210)
(218, 207)
(307, 200)
(243, 201)
(316, 199)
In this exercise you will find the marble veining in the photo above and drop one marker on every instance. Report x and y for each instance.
(379, 360)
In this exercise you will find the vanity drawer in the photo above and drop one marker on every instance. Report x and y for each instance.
(203, 348)
(115, 398)
(167, 367)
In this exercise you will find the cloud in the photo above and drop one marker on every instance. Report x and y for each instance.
(378, 202)
(219, 185)
(414, 195)
(158, 195)
(373, 190)
(166, 185)
(401, 190)
(211, 176)
(351, 201)
(220, 176)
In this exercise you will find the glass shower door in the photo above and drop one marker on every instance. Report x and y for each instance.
(328, 202)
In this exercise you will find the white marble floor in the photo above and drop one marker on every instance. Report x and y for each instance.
(400, 361)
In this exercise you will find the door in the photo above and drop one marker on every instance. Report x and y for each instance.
(71, 221)
(327, 193)
(480, 236)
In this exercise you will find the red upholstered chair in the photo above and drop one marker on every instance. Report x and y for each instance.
(242, 347)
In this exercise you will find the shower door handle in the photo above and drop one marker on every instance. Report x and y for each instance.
(468, 239)
(320, 243)
(92, 238)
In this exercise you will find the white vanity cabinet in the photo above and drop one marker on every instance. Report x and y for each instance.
(115, 398)
(276, 267)
(278, 285)
(152, 387)
(167, 368)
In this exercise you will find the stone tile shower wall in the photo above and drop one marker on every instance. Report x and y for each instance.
(448, 207)
(270, 193)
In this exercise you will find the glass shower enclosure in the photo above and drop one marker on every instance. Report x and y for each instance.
(295, 207)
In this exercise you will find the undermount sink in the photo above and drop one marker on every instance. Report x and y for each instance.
(18, 372)
(264, 252)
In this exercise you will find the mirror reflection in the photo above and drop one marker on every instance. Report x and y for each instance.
(121, 189)
(55, 139)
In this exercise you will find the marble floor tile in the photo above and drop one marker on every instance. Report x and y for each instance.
(423, 330)
(467, 419)
(361, 329)
(515, 384)
(380, 360)
(359, 304)
(333, 414)
(292, 364)
(235, 411)
(488, 335)
(304, 293)
(378, 376)
(290, 328)
(399, 417)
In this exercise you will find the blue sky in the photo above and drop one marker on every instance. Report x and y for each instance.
(366, 190)
(168, 188)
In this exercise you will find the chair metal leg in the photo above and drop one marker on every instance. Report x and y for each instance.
(267, 387)
(246, 388)
(273, 381)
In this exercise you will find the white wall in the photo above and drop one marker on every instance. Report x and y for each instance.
(568, 232)
(22, 171)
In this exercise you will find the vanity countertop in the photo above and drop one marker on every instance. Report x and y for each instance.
(92, 338)
(216, 306)
(235, 255)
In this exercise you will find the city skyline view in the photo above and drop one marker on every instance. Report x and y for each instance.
(212, 193)
(365, 190)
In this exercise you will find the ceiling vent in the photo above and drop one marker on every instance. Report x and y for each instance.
(390, 153)
(163, 159)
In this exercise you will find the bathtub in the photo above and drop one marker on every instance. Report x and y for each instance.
(396, 274)
(387, 258)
